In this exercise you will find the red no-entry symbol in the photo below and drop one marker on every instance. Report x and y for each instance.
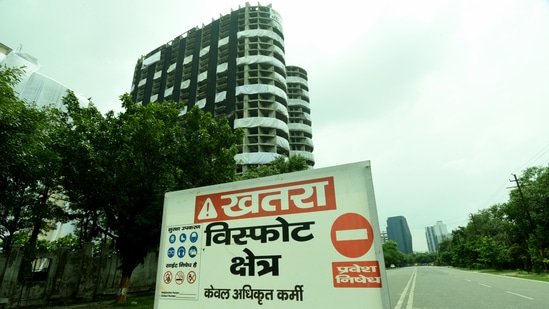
(352, 235)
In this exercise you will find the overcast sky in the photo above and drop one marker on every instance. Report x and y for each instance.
(446, 98)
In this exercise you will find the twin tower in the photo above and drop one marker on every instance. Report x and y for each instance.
(235, 67)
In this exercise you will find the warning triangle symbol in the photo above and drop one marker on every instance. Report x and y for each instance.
(208, 211)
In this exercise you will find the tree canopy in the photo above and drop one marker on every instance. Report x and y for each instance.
(280, 165)
(511, 235)
(391, 254)
(31, 198)
(108, 173)
(118, 168)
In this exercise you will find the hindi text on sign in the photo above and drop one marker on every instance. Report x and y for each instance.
(281, 199)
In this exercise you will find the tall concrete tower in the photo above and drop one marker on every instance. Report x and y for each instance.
(300, 124)
(235, 67)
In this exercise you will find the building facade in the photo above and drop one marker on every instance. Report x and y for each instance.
(300, 124)
(435, 234)
(34, 86)
(384, 237)
(398, 231)
(235, 67)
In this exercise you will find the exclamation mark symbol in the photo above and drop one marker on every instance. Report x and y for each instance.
(208, 211)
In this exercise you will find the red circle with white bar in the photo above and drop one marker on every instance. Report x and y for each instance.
(352, 235)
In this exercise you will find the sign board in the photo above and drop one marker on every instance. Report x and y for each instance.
(300, 240)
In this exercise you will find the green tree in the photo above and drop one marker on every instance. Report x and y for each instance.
(463, 250)
(279, 165)
(87, 152)
(391, 254)
(17, 128)
(489, 236)
(118, 169)
(528, 211)
(482, 243)
(31, 199)
(209, 150)
(445, 252)
(512, 235)
(423, 258)
(43, 194)
(491, 254)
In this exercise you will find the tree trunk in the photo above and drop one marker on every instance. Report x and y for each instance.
(123, 290)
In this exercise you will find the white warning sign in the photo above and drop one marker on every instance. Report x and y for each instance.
(284, 241)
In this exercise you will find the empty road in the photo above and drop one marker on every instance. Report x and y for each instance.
(442, 287)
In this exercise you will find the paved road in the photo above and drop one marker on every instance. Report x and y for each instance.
(441, 287)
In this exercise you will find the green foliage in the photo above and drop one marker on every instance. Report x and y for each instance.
(392, 255)
(280, 165)
(513, 235)
(491, 254)
(108, 173)
(444, 256)
(31, 198)
(210, 147)
(70, 242)
(422, 258)
(118, 167)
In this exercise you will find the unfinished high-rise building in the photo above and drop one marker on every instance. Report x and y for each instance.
(235, 67)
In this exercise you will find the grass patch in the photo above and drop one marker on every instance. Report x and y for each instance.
(517, 274)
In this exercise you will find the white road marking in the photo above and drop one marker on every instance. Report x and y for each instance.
(403, 295)
(485, 285)
(411, 296)
(530, 298)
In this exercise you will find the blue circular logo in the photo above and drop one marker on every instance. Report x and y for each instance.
(171, 252)
(172, 238)
(182, 237)
(181, 252)
(194, 237)
(193, 251)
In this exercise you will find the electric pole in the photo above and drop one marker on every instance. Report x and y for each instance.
(532, 225)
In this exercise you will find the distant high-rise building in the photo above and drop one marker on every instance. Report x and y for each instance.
(384, 238)
(398, 231)
(235, 67)
(435, 234)
(34, 86)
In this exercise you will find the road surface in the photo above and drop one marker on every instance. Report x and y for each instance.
(442, 287)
